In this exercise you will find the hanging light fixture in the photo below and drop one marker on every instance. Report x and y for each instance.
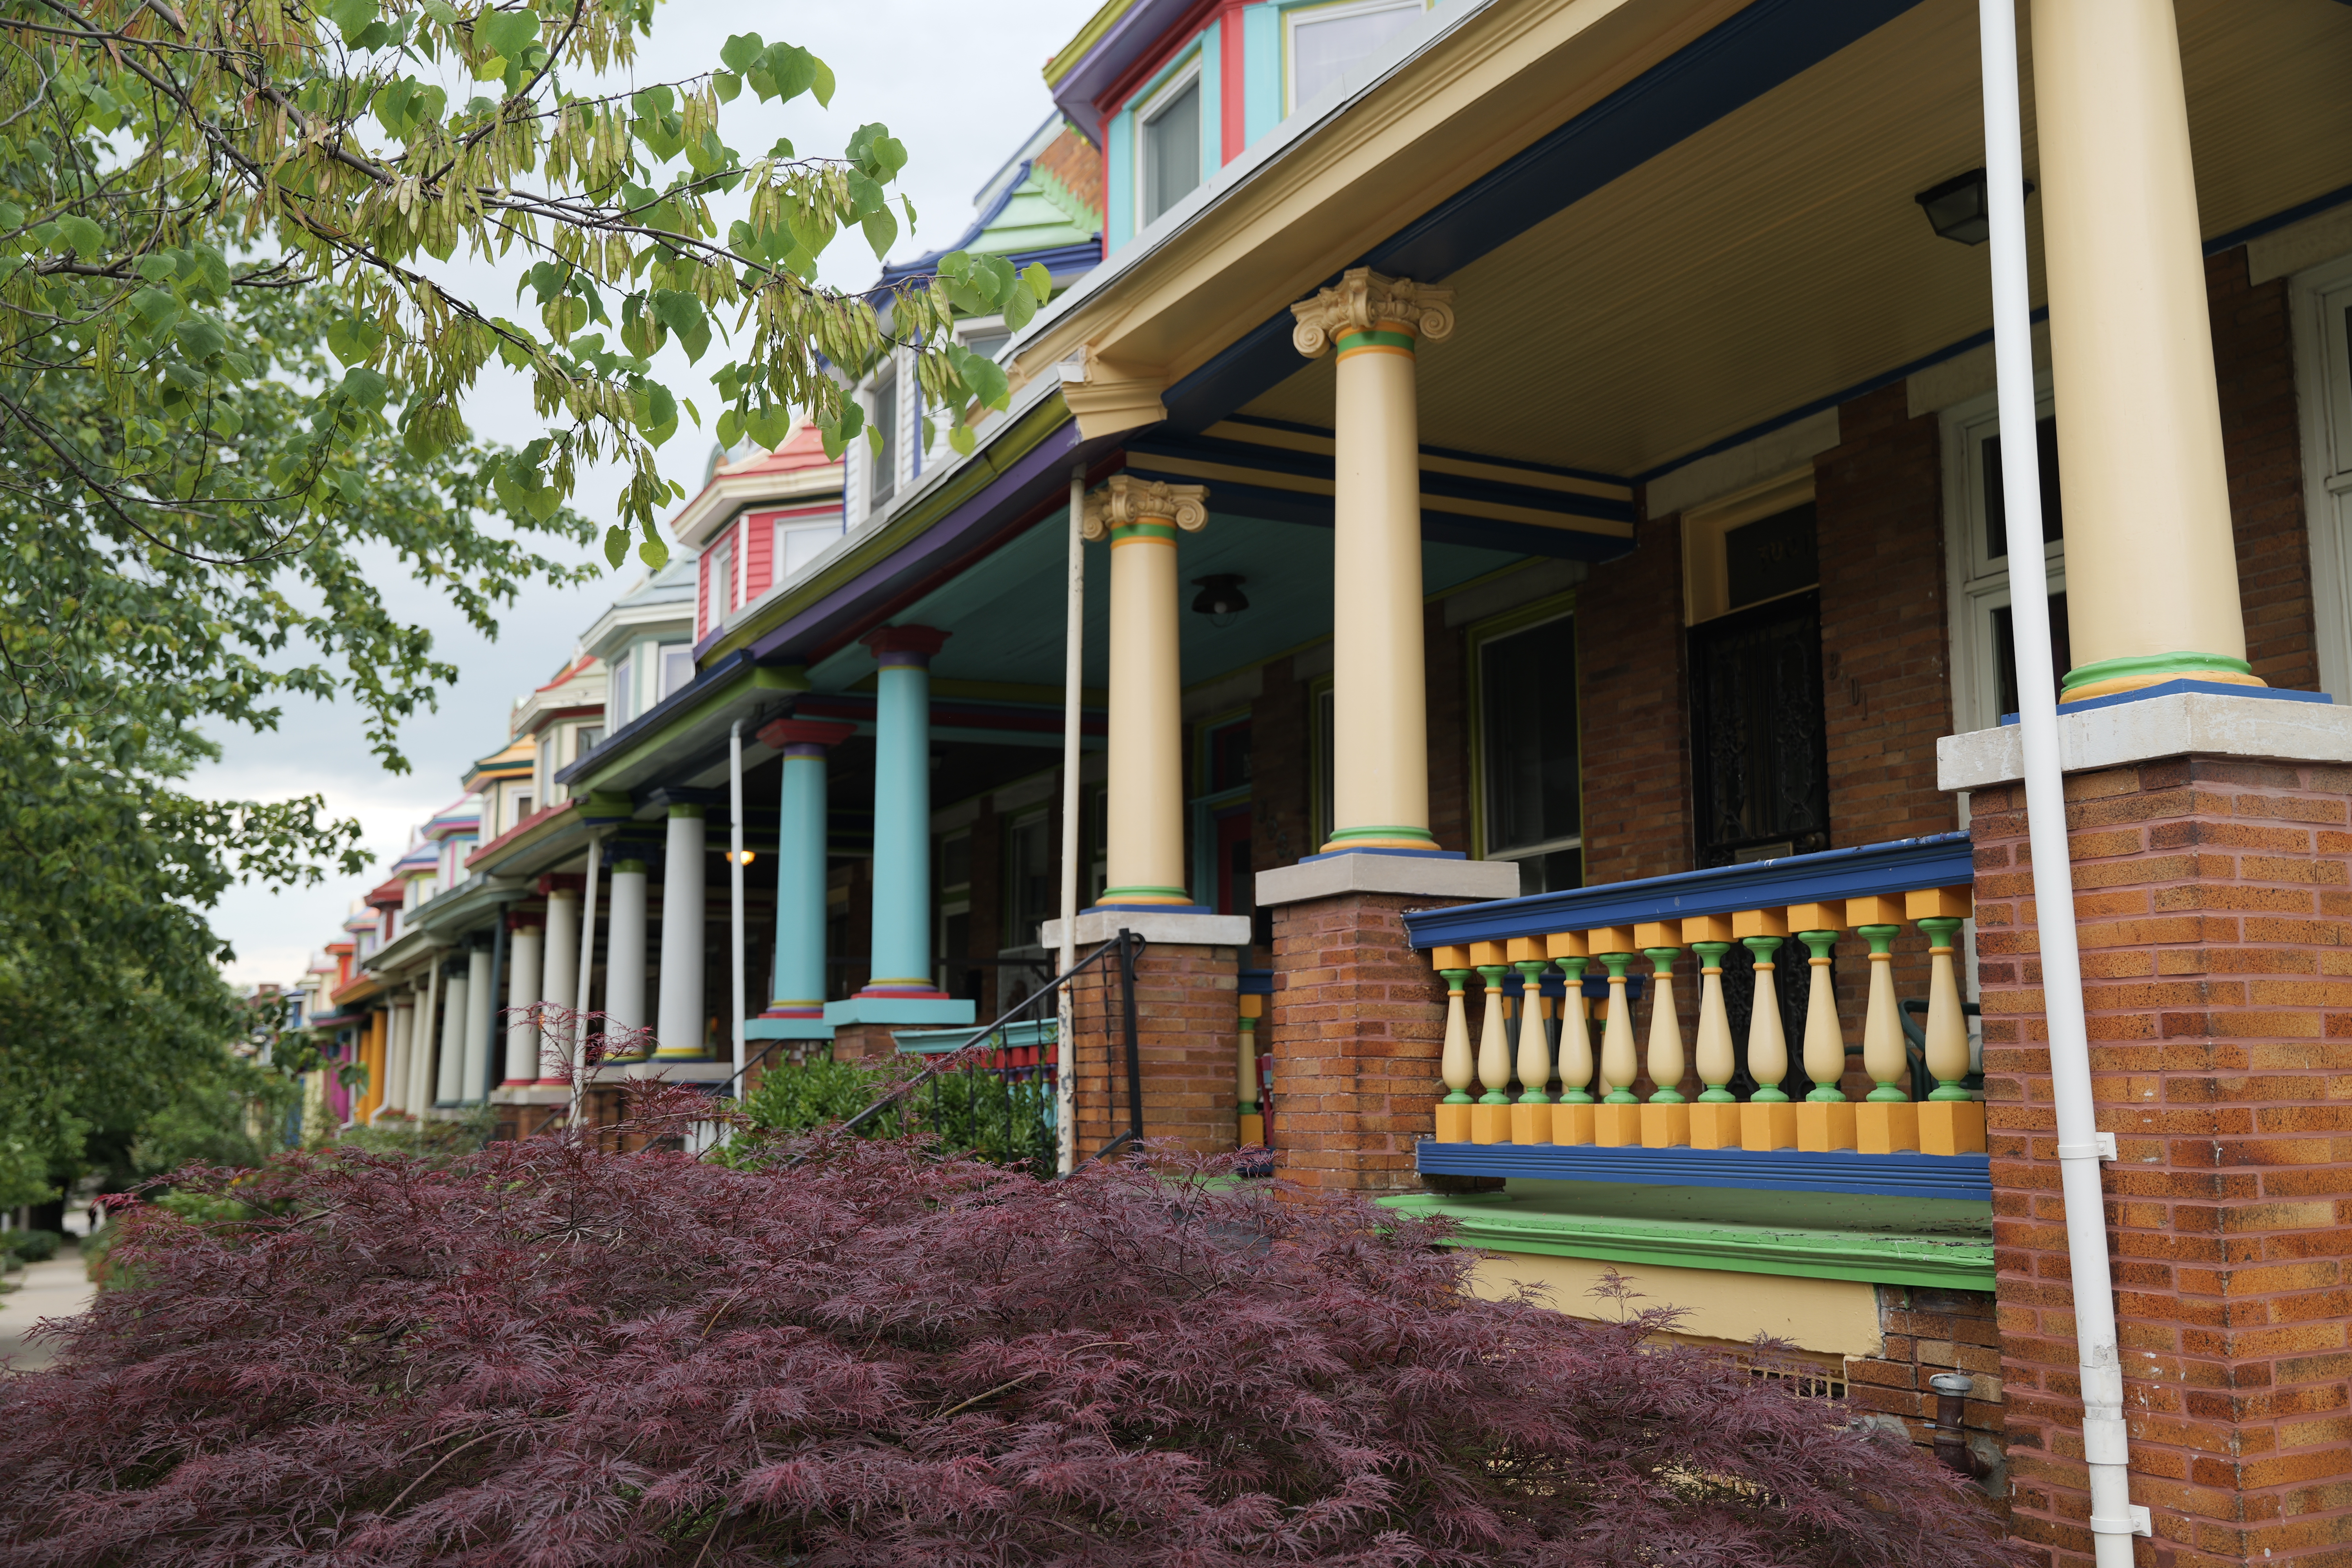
(1957, 208)
(1221, 597)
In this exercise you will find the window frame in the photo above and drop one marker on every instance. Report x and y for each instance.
(663, 689)
(1526, 617)
(1313, 11)
(1322, 742)
(1975, 586)
(878, 495)
(1040, 817)
(2322, 369)
(1205, 806)
(1186, 74)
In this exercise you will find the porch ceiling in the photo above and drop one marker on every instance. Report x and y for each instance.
(1005, 610)
(1777, 258)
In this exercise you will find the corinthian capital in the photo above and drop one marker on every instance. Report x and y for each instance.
(1124, 498)
(1363, 301)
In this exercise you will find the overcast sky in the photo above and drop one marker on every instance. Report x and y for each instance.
(962, 89)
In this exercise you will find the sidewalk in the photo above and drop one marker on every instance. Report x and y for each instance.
(57, 1289)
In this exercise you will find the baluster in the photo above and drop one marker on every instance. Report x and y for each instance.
(1714, 1118)
(1886, 1122)
(1490, 1119)
(1824, 1121)
(1666, 1120)
(1571, 1118)
(1531, 1116)
(1617, 1119)
(1767, 1121)
(1950, 1122)
(1457, 1067)
(1252, 1127)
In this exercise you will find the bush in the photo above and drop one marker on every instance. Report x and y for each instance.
(31, 1246)
(550, 1352)
(968, 1112)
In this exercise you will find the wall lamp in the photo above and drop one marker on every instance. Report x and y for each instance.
(1221, 597)
(1957, 209)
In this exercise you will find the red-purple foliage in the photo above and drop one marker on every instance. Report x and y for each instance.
(551, 1354)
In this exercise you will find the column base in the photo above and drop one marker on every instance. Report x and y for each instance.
(1952, 1127)
(938, 1009)
(1193, 924)
(1766, 1125)
(1187, 1029)
(1491, 1124)
(1666, 1126)
(1530, 1123)
(1250, 1127)
(1571, 1123)
(1714, 1125)
(1454, 1122)
(797, 1027)
(1887, 1127)
(1617, 1126)
(1824, 1126)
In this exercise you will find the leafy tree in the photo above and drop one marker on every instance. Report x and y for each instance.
(551, 1353)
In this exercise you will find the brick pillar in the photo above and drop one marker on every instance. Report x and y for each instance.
(868, 1042)
(2217, 959)
(1187, 1010)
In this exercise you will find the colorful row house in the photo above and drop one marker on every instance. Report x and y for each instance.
(1546, 664)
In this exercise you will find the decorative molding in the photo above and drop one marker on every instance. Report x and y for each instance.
(1362, 300)
(1126, 500)
(1106, 402)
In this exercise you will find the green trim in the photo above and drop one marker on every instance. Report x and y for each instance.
(1108, 894)
(1500, 1224)
(1344, 834)
(1066, 59)
(1369, 339)
(637, 867)
(1164, 532)
(686, 811)
(2182, 662)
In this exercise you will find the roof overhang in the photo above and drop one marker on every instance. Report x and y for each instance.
(727, 495)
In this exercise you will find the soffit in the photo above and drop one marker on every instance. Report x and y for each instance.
(1777, 257)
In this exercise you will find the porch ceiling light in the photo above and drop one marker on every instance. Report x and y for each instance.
(1957, 209)
(1221, 597)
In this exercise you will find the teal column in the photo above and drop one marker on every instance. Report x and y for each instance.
(796, 1008)
(899, 989)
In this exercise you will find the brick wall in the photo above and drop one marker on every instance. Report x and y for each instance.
(2254, 357)
(2216, 930)
(1186, 1033)
(1630, 702)
(1927, 1331)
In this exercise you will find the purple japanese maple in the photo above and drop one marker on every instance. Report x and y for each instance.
(554, 1353)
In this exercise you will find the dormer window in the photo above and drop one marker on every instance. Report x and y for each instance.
(883, 464)
(1168, 144)
(1327, 42)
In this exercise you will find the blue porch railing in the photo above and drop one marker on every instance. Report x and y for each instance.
(1743, 1089)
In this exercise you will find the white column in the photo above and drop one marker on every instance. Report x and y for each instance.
(451, 1088)
(525, 952)
(420, 1051)
(475, 1071)
(625, 959)
(395, 1064)
(678, 1030)
(559, 976)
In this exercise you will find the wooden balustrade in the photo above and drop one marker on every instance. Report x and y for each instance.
(1594, 1102)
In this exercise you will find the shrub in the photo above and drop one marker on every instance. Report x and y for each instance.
(32, 1245)
(546, 1352)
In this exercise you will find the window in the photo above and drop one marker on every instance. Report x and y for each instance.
(883, 464)
(677, 668)
(797, 544)
(622, 699)
(988, 344)
(521, 807)
(1168, 143)
(957, 975)
(1327, 42)
(1326, 708)
(722, 581)
(1097, 829)
(1224, 871)
(1528, 792)
(1759, 747)
(591, 736)
(1984, 651)
(2323, 351)
(1028, 879)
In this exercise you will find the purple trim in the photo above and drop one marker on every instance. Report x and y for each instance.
(1128, 39)
(808, 749)
(904, 658)
(858, 605)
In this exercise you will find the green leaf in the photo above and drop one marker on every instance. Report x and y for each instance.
(697, 342)
(822, 85)
(617, 545)
(200, 338)
(740, 51)
(353, 339)
(881, 232)
(507, 33)
(1040, 282)
(959, 438)
(769, 424)
(653, 552)
(364, 388)
(691, 411)
(730, 429)
(659, 408)
(352, 17)
(727, 84)
(157, 308)
(85, 237)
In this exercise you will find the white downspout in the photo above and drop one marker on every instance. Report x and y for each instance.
(577, 1046)
(2105, 1440)
(735, 882)
(1065, 1048)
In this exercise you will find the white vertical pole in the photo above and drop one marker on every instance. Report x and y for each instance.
(735, 882)
(576, 1046)
(2105, 1444)
(1074, 636)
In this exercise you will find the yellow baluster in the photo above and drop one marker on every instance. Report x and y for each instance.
(1531, 1116)
(1617, 1119)
(1950, 1122)
(1490, 1119)
(1824, 1121)
(1666, 1120)
(1572, 1117)
(1886, 1122)
(1767, 1121)
(1457, 1067)
(1714, 1118)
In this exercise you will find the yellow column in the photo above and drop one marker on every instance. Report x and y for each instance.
(1145, 827)
(2151, 571)
(1379, 724)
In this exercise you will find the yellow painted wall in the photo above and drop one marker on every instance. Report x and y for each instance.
(1839, 1317)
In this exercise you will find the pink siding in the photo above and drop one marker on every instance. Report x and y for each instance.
(758, 550)
(703, 598)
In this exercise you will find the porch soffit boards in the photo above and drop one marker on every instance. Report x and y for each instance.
(1670, 225)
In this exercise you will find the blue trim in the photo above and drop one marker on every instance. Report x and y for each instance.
(1963, 1176)
(1261, 72)
(1150, 908)
(2184, 686)
(1255, 982)
(1373, 849)
(1769, 43)
(2279, 220)
(1905, 865)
